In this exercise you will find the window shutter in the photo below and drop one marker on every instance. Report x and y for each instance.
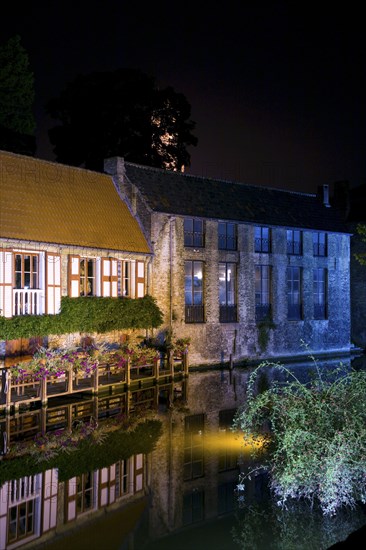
(140, 279)
(6, 283)
(106, 277)
(74, 276)
(114, 278)
(53, 278)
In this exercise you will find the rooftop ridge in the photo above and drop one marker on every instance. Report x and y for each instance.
(51, 162)
(234, 182)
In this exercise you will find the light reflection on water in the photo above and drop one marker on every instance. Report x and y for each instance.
(182, 494)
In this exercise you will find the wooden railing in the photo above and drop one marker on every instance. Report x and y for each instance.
(31, 388)
(27, 301)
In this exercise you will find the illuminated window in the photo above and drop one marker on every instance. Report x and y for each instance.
(87, 277)
(227, 292)
(26, 270)
(194, 312)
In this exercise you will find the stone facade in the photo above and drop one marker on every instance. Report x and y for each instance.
(214, 342)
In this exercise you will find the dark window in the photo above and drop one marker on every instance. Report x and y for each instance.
(226, 497)
(227, 292)
(294, 242)
(227, 236)
(193, 447)
(228, 451)
(21, 520)
(262, 239)
(194, 312)
(194, 233)
(262, 291)
(320, 244)
(319, 293)
(294, 293)
(193, 507)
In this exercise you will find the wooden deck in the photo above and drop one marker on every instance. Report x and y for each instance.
(31, 389)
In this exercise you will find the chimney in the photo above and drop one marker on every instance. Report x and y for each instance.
(323, 194)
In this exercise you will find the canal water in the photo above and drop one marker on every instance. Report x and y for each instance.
(150, 469)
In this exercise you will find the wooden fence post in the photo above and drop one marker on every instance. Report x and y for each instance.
(43, 383)
(8, 391)
(156, 367)
(69, 380)
(185, 362)
(128, 372)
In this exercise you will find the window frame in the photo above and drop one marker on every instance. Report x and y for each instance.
(228, 311)
(263, 307)
(260, 239)
(194, 311)
(294, 306)
(320, 250)
(194, 237)
(320, 288)
(224, 239)
(34, 274)
(293, 245)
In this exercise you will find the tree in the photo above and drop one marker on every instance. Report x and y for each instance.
(17, 122)
(121, 113)
(361, 231)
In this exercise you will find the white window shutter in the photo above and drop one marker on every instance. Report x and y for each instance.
(53, 288)
(6, 283)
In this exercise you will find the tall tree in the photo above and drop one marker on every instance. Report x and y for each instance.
(17, 122)
(361, 232)
(121, 113)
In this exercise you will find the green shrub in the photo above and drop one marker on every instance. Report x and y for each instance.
(86, 314)
(313, 435)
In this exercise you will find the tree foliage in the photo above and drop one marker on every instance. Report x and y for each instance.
(121, 113)
(16, 88)
(313, 436)
(361, 231)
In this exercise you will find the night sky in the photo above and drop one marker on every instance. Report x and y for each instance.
(277, 90)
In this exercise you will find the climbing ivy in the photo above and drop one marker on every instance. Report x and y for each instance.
(86, 314)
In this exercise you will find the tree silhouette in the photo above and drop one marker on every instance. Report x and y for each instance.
(121, 113)
(17, 122)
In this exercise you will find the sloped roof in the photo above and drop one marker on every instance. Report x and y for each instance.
(187, 195)
(51, 203)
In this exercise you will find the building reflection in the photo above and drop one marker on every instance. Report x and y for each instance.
(188, 478)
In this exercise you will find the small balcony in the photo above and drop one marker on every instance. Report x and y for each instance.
(194, 314)
(27, 301)
(294, 312)
(320, 311)
(228, 314)
(262, 311)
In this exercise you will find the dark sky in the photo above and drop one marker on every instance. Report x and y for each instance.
(277, 89)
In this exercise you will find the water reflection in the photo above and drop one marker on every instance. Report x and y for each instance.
(170, 482)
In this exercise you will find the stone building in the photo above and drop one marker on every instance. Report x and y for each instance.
(242, 271)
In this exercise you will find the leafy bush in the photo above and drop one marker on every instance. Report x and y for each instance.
(86, 314)
(313, 435)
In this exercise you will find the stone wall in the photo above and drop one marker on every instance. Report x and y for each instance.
(214, 342)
